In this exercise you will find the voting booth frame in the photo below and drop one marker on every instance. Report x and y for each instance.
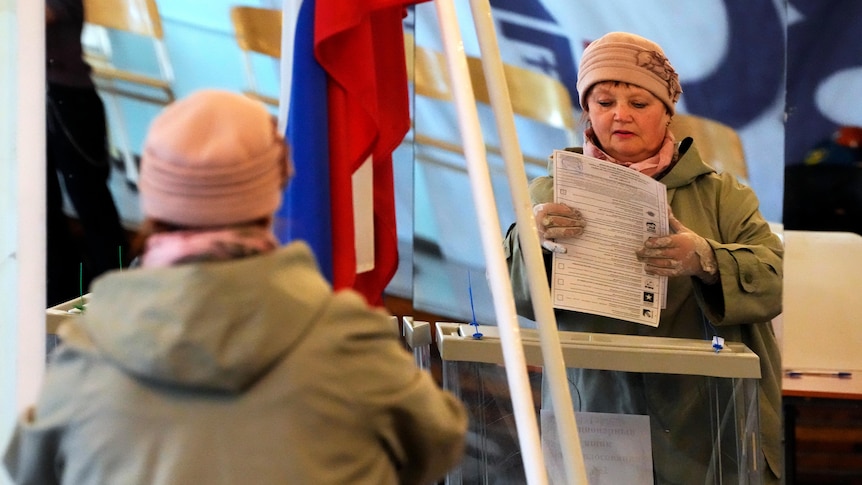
(616, 446)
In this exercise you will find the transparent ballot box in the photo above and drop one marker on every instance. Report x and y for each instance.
(648, 410)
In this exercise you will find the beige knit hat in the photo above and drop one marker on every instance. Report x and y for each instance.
(630, 58)
(211, 159)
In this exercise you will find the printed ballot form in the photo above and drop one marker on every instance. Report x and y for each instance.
(599, 272)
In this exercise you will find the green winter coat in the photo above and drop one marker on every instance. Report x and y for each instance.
(243, 371)
(738, 308)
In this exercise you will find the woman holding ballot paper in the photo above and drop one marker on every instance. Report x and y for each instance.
(723, 262)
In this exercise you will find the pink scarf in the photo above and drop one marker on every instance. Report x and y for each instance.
(651, 166)
(172, 248)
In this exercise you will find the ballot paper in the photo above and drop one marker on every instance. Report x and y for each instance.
(599, 273)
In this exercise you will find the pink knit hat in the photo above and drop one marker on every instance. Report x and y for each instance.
(630, 58)
(211, 159)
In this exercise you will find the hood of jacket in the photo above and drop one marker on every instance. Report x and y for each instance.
(217, 325)
(689, 166)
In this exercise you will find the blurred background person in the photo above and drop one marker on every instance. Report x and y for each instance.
(77, 152)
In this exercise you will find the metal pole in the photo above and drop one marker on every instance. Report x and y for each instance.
(552, 354)
(498, 276)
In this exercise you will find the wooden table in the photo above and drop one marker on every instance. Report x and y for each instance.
(820, 329)
(823, 429)
(824, 387)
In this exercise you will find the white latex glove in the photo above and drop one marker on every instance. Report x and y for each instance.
(682, 253)
(557, 221)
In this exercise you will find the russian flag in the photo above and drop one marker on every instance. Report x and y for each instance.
(346, 82)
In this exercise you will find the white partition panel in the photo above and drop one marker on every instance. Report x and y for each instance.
(22, 208)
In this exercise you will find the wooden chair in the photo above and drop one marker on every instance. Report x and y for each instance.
(534, 95)
(257, 31)
(718, 144)
(141, 19)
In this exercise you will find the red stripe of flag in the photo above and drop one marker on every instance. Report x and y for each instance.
(360, 45)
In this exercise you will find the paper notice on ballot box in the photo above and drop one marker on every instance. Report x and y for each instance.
(599, 273)
(617, 448)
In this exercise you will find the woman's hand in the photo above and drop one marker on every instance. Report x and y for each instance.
(682, 253)
(557, 221)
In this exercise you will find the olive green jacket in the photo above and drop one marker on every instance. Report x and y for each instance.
(738, 308)
(244, 371)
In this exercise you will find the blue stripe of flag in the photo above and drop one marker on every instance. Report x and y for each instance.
(307, 207)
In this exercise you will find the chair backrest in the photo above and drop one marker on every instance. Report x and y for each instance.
(139, 17)
(257, 30)
(718, 144)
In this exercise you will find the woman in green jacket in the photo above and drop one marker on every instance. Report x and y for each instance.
(226, 358)
(722, 260)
